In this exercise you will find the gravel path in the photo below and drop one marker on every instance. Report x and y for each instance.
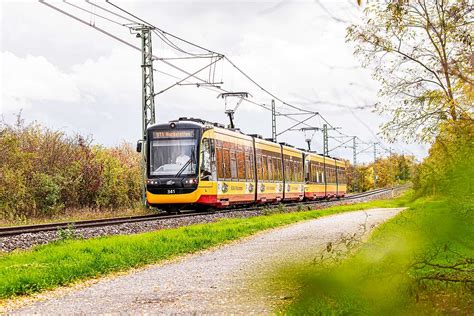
(215, 281)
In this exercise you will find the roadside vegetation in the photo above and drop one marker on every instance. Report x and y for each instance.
(422, 261)
(70, 260)
(47, 174)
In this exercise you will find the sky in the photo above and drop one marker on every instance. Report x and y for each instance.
(68, 76)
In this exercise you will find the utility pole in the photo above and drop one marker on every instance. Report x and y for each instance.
(375, 170)
(354, 160)
(325, 140)
(274, 124)
(148, 95)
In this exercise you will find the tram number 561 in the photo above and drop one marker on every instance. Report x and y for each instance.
(171, 191)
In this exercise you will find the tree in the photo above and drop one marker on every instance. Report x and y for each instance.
(422, 54)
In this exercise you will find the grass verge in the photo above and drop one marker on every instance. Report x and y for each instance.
(420, 262)
(68, 261)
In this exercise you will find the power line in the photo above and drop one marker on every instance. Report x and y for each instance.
(93, 13)
(161, 30)
(111, 12)
(163, 36)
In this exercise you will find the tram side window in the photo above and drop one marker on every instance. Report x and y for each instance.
(287, 169)
(259, 167)
(220, 163)
(280, 168)
(271, 170)
(319, 176)
(300, 175)
(249, 166)
(227, 172)
(252, 166)
(307, 170)
(241, 165)
(233, 166)
(276, 169)
(323, 173)
(295, 171)
(207, 162)
(292, 170)
(264, 168)
(316, 172)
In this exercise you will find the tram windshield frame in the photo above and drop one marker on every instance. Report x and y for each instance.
(173, 153)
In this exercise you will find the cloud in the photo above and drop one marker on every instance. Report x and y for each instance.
(34, 78)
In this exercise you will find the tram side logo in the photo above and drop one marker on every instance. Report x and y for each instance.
(225, 187)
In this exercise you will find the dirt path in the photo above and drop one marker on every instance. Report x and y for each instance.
(217, 281)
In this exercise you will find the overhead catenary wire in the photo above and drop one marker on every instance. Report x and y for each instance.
(161, 30)
(213, 52)
(165, 37)
(195, 45)
(111, 12)
(93, 13)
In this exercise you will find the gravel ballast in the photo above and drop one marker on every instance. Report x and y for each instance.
(28, 240)
(222, 280)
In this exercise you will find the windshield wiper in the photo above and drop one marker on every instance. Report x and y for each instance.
(182, 168)
(185, 165)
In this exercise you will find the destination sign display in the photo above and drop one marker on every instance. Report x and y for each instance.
(185, 133)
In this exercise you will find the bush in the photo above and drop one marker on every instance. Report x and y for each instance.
(43, 172)
(45, 192)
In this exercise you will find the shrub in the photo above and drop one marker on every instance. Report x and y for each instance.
(43, 172)
(45, 192)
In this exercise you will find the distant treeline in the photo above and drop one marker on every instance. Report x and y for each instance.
(386, 171)
(43, 172)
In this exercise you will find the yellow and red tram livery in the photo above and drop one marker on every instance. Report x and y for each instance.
(191, 162)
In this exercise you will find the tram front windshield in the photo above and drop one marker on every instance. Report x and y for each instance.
(172, 155)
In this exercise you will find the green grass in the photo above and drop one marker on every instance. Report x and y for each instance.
(402, 269)
(68, 261)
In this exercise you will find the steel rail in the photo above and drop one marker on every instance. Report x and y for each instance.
(37, 228)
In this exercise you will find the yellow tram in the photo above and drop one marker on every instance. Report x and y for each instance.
(191, 162)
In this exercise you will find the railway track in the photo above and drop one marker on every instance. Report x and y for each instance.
(17, 230)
